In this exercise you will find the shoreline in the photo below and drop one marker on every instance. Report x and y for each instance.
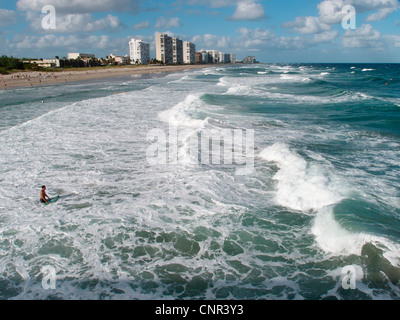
(31, 79)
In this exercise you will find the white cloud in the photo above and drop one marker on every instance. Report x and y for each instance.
(330, 11)
(384, 7)
(326, 36)
(7, 18)
(62, 44)
(210, 41)
(265, 39)
(363, 37)
(248, 10)
(110, 22)
(141, 25)
(167, 23)
(367, 37)
(307, 25)
(394, 40)
(312, 26)
(381, 14)
(371, 5)
(80, 6)
(71, 23)
(210, 3)
(75, 15)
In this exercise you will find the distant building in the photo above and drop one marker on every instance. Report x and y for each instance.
(221, 57)
(189, 52)
(214, 56)
(45, 63)
(198, 57)
(164, 48)
(250, 60)
(177, 51)
(83, 56)
(119, 59)
(139, 51)
(205, 57)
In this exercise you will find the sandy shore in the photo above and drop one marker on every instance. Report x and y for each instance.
(37, 78)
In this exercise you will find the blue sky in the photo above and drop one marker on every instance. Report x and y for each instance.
(273, 31)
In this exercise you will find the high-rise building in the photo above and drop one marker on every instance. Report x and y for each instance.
(164, 48)
(139, 51)
(205, 57)
(250, 60)
(199, 58)
(214, 55)
(177, 51)
(221, 57)
(189, 52)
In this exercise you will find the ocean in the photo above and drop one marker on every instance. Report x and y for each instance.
(248, 182)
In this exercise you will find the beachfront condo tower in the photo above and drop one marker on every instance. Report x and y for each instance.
(164, 48)
(189, 52)
(177, 51)
(139, 51)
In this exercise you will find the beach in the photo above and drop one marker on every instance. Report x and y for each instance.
(40, 78)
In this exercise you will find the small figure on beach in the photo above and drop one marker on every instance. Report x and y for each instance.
(44, 198)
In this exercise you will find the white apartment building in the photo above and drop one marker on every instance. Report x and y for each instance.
(214, 54)
(76, 55)
(221, 57)
(189, 52)
(177, 50)
(205, 57)
(139, 51)
(164, 48)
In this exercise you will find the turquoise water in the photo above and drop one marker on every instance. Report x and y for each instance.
(323, 194)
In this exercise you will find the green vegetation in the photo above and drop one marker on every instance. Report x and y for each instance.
(10, 63)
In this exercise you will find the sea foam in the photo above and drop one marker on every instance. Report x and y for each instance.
(300, 186)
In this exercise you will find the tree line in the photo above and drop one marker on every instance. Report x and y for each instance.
(7, 64)
(10, 63)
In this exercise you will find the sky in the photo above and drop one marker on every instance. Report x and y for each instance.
(285, 31)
